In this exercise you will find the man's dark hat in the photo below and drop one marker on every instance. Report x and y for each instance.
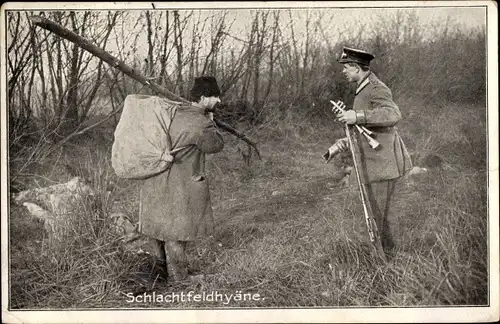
(352, 55)
(205, 86)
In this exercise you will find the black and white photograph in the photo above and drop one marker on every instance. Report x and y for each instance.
(249, 162)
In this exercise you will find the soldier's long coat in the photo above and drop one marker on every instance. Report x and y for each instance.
(376, 110)
(175, 205)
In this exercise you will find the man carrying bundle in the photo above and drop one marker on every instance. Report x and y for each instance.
(175, 205)
(375, 111)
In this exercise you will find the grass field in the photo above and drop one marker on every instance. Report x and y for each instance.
(285, 229)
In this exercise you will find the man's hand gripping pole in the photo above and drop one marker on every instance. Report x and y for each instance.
(339, 107)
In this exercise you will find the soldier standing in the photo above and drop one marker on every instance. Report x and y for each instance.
(375, 109)
(175, 205)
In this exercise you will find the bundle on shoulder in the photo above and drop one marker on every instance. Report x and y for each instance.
(142, 145)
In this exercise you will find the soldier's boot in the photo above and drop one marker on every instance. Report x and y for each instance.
(387, 240)
(160, 262)
(177, 263)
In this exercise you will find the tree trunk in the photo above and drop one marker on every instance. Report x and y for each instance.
(70, 118)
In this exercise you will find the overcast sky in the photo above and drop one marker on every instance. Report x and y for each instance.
(334, 20)
(468, 17)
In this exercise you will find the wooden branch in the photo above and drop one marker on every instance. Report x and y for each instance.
(239, 135)
(103, 55)
(116, 63)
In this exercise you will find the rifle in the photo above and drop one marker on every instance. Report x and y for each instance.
(124, 68)
(371, 223)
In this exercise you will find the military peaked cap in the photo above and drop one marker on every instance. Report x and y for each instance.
(351, 55)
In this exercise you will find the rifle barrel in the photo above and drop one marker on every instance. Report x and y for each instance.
(370, 222)
(362, 192)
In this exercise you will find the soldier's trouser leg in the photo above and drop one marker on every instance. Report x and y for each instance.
(177, 259)
(380, 195)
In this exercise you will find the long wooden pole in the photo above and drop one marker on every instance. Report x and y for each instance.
(126, 69)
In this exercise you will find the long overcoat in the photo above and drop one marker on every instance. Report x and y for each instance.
(175, 204)
(376, 110)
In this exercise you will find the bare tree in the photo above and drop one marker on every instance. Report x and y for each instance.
(59, 81)
(272, 54)
(261, 30)
(151, 44)
(165, 50)
(179, 26)
(218, 27)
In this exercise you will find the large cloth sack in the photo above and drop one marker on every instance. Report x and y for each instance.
(142, 144)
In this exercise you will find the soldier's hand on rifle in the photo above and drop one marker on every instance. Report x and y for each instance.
(348, 117)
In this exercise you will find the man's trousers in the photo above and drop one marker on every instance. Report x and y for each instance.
(172, 259)
(380, 195)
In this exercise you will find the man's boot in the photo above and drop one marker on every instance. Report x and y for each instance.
(160, 265)
(387, 241)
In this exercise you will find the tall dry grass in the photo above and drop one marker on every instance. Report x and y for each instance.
(311, 242)
(284, 229)
(89, 265)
